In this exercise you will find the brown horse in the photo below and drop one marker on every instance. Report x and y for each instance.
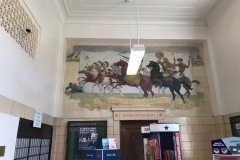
(143, 81)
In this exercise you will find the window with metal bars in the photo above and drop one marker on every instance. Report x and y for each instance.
(33, 143)
(32, 149)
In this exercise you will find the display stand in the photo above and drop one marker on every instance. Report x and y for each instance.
(164, 138)
(225, 157)
(226, 148)
(102, 154)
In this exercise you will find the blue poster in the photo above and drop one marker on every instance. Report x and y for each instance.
(87, 138)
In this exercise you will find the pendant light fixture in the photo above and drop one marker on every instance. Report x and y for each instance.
(137, 53)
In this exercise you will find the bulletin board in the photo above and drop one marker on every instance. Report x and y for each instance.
(73, 136)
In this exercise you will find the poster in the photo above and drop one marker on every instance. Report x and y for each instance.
(87, 138)
(76, 145)
(109, 143)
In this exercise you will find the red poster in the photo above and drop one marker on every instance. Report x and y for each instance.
(178, 146)
(154, 143)
(227, 158)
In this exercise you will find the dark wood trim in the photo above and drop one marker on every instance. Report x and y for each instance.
(73, 124)
(26, 130)
(233, 121)
(131, 138)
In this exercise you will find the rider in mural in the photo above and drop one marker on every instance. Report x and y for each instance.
(181, 66)
(167, 67)
(98, 66)
(104, 67)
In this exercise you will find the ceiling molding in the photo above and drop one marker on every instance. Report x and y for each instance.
(147, 42)
(207, 8)
(61, 9)
(142, 21)
(216, 11)
(184, 12)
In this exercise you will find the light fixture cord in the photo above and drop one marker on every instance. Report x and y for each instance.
(130, 27)
(137, 21)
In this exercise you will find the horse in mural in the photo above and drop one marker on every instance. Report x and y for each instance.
(89, 77)
(158, 79)
(134, 80)
(187, 85)
(102, 82)
(107, 83)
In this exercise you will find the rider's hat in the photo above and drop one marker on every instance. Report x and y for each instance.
(107, 64)
(179, 59)
(159, 54)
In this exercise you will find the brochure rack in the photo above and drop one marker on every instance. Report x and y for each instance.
(161, 141)
(109, 151)
(102, 154)
(226, 148)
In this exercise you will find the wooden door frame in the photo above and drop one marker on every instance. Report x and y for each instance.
(132, 126)
(135, 112)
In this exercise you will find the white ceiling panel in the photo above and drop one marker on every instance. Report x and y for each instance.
(192, 9)
(75, 3)
(141, 10)
(102, 2)
(160, 3)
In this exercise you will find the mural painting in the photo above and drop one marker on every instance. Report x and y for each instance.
(164, 77)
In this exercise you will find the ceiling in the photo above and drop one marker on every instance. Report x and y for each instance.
(125, 12)
(88, 11)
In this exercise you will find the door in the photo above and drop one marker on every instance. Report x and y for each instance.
(131, 139)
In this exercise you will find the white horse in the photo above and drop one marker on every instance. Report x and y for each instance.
(107, 84)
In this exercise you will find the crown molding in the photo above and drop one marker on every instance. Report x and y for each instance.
(61, 9)
(216, 11)
(124, 13)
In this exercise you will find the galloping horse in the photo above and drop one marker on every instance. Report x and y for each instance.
(172, 83)
(187, 85)
(103, 82)
(89, 78)
(143, 81)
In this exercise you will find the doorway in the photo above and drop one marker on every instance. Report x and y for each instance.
(131, 138)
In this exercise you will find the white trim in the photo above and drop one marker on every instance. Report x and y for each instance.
(60, 7)
(214, 88)
(164, 127)
(57, 111)
(216, 11)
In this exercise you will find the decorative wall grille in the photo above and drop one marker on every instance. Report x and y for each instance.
(15, 20)
(32, 149)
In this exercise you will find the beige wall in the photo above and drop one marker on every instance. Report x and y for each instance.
(198, 126)
(196, 134)
(196, 131)
(11, 107)
(14, 108)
